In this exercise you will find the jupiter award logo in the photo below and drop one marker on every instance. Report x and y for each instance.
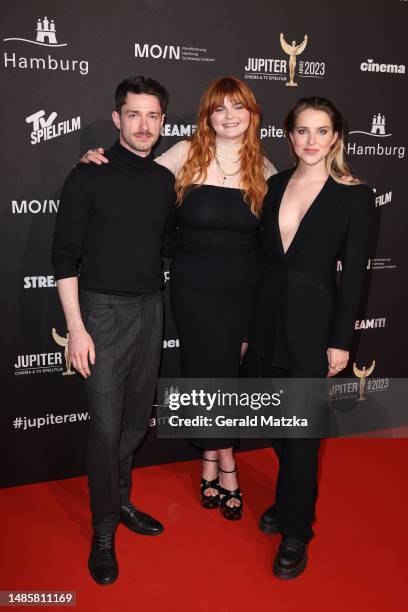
(285, 67)
(363, 374)
(293, 51)
(63, 341)
(46, 34)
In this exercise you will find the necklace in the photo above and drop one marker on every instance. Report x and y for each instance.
(225, 175)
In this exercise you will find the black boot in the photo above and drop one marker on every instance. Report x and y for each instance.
(268, 522)
(102, 563)
(138, 521)
(291, 558)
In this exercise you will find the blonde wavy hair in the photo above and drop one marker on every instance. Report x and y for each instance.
(202, 143)
(336, 163)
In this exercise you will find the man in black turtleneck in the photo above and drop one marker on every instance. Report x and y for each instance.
(107, 241)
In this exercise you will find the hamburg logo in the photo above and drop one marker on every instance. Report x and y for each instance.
(379, 148)
(377, 127)
(45, 34)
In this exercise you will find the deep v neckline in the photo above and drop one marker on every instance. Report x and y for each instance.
(303, 220)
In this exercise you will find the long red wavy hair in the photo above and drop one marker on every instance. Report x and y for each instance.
(202, 143)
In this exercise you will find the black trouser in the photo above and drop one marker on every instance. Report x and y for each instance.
(296, 487)
(127, 333)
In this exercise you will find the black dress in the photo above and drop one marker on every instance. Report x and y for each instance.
(213, 279)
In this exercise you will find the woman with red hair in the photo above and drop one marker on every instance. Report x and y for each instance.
(221, 176)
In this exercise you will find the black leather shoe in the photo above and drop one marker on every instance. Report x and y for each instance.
(138, 521)
(102, 563)
(291, 558)
(268, 522)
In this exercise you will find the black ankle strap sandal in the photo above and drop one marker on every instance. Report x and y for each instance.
(209, 502)
(231, 513)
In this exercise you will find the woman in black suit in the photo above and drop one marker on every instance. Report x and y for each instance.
(313, 215)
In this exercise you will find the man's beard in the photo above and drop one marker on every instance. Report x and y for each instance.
(141, 145)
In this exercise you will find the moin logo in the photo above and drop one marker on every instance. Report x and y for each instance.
(35, 207)
(278, 69)
(371, 66)
(156, 51)
(172, 52)
(377, 130)
(44, 129)
(46, 36)
(376, 263)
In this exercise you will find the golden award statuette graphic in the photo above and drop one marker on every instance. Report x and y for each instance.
(63, 341)
(363, 375)
(292, 50)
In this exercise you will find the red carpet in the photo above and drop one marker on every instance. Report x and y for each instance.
(357, 561)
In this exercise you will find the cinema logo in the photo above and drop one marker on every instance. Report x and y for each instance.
(172, 52)
(370, 323)
(45, 129)
(34, 207)
(46, 36)
(178, 129)
(371, 66)
(378, 130)
(288, 70)
(39, 282)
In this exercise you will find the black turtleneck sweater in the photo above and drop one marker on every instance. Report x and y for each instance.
(110, 224)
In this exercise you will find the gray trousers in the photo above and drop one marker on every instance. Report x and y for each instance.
(127, 333)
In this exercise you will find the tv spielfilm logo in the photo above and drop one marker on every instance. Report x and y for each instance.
(278, 69)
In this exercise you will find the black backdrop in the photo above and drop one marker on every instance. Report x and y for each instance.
(60, 64)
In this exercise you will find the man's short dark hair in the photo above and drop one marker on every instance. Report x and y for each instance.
(141, 85)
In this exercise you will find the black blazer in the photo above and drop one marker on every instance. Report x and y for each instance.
(300, 311)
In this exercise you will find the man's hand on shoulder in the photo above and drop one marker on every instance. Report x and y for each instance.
(96, 156)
